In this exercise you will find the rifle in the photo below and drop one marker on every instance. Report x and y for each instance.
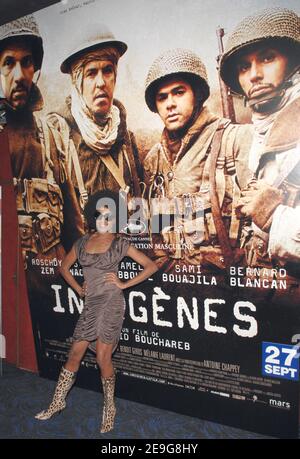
(226, 97)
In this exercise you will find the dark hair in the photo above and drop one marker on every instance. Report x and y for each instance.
(91, 207)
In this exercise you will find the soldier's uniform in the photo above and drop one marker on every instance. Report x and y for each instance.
(48, 213)
(184, 184)
(90, 170)
(273, 234)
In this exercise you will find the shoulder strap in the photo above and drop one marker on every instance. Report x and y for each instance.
(116, 171)
(78, 173)
(43, 133)
(127, 159)
(64, 142)
(215, 205)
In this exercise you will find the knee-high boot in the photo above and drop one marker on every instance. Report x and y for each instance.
(65, 382)
(109, 409)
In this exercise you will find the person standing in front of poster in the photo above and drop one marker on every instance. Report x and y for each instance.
(179, 170)
(99, 252)
(261, 62)
(91, 126)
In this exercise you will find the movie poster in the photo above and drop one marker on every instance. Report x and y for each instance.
(2, 338)
(213, 334)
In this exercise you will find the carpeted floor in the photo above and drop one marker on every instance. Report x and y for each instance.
(22, 394)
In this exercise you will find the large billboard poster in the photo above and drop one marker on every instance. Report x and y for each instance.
(2, 339)
(214, 333)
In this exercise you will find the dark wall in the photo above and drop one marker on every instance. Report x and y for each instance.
(13, 9)
(17, 327)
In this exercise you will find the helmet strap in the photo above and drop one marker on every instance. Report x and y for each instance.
(37, 75)
(269, 102)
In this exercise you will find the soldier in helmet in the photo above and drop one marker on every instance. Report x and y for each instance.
(43, 190)
(48, 213)
(192, 172)
(102, 152)
(261, 62)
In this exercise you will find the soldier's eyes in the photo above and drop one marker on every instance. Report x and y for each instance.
(161, 97)
(108, 70)
(243, 67)
(268, 57)
(27, 61)
(90, 72)
(9, 62)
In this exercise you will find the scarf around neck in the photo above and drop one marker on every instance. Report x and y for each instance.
(263, 123)
(101, 135)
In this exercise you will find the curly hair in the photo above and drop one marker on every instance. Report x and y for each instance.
(106, 198)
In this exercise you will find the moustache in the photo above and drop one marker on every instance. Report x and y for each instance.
(20, 87)
(259, 87)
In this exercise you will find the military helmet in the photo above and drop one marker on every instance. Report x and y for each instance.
(26, 29)
(172, 62)
(277, 24)
(98, 36)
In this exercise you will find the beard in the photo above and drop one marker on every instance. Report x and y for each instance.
(19, 97)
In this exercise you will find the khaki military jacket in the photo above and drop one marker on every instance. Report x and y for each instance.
(187, 177)
(48, 213)
(85, 164)
(281, 155)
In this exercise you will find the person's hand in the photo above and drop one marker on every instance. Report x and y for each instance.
(112, 278)
(82, 290)
(258, 202)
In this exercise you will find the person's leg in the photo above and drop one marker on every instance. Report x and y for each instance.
(76, 354)
(104, 360)
(65, 381)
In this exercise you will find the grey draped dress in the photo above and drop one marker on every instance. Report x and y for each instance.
(103, 313)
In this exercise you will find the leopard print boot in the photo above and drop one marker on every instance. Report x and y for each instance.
(65, 382)
(109, 409)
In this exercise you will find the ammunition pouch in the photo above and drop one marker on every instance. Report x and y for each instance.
(193, 235)
(40, 213)
(47, 229)
(55, 202)
(27, 237)
(181, 205)
(35, 194)
(187, 221)
(209, 256)
(172, 238)
(193, 230)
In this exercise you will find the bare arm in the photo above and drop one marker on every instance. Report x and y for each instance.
(67, 262)
(149, 268)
